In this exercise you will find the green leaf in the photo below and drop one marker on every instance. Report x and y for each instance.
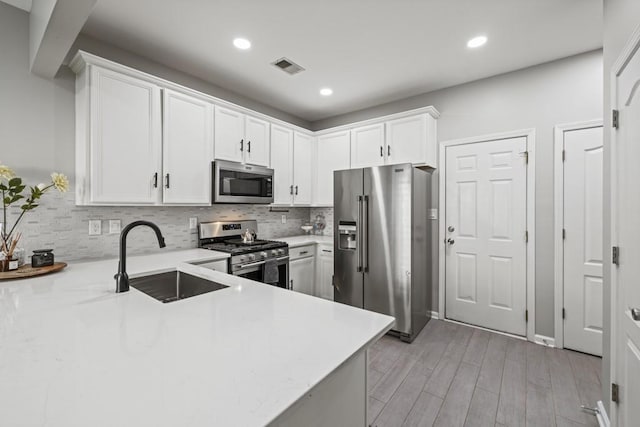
(3, 187)
(19, 188)
(14, 182)
(7, 200)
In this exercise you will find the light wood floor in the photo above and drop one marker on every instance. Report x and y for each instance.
(454, 375)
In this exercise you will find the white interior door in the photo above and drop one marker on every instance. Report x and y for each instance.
(485, 261)
(582, 222)
(626, 205)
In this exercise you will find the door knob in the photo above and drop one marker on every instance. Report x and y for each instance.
(451, 229)
(450, 241)
(635, 314)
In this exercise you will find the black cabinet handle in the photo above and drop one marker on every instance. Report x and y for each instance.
(327, 250)
(291, 190)
(167, 177)
(242, 145)
(249, 146)
(296, 190)
(388, 150)
(155, 180)
(381, 152)
(304, 252)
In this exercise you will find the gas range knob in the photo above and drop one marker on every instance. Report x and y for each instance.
(252, 257)
(274, 252)
(263, 254)
(280, 251)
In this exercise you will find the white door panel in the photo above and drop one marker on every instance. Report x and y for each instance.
(302, 145)
(626, 175)
(583, 240)
(367, 146)
(257, 141)
(485, 265)
(282, 164)
(229, 134)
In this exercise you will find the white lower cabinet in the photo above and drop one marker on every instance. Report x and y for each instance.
(302, 273)
(324, 272)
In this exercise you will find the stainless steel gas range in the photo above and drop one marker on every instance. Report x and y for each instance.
(265, 261)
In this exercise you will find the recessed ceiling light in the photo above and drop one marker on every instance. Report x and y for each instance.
(241, 43)
(476, 42)
(326, 91)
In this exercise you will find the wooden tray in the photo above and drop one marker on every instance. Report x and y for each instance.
(28, 271)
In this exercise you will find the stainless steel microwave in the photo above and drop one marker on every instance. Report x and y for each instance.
(237, 183)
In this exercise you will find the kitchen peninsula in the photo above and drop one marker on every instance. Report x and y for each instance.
(75, 353)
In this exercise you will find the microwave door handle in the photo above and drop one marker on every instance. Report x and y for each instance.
(359, 234)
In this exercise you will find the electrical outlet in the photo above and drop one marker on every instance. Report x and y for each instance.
(114, 226)
(193, 223)
(432, 214)
(284, 219)
(95, 227)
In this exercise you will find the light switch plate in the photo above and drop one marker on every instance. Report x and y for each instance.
(432, 214)
(95, 227)
(284, 219)
(193, 223)
(114, 226)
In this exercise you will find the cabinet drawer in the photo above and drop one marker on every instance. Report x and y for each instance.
(301, 252)
(325, 250)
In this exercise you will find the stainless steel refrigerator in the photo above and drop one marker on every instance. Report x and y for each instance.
(382, 243)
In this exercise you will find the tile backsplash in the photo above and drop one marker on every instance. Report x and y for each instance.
(328, 216)
(60, 225)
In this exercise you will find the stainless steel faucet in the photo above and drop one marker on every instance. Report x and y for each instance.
(122, 279)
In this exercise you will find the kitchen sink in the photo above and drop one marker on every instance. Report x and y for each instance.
(174, 286)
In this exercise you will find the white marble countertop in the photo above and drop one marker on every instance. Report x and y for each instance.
(75, 353)
(305, 239)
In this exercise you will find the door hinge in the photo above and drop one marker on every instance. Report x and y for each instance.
(526, 156)
(564, 313)
(526, 236)
(615, 119)
(526, 315)
(564, 234)
(615, 393)
(615, 255)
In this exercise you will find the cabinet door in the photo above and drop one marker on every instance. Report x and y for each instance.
(407, 140)
(229, 134)
(332, 153)
(301, 275)
(257, 141)
(125, 139)
(324, 284)
(281, 163)
(367, 146)
(187, 149)
(302, 171)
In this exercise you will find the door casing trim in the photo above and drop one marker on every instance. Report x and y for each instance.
(558, 219)
(530, 135)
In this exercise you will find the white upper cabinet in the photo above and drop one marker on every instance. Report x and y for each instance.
(367, 146)
(229, 134)
(281, 163)
(407, 140)
(332, 153)
(257, 141)
(187, 149)
(240, 137)
(302, 171)
(118, 134)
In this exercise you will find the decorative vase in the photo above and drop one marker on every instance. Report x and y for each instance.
(8, 264)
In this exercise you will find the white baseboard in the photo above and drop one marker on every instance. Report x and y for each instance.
(435, 315)
(545, 341)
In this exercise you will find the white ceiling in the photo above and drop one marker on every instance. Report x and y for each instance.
(369, 51)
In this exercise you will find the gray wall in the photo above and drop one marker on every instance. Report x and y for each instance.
(621, 17)
(539, 97)
(37, 136)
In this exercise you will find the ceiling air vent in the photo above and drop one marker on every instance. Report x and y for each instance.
(288, 66)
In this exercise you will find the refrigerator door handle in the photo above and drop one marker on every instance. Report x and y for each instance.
(365, 234)
(359, 234)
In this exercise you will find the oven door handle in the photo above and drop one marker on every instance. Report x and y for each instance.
(253, 264)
